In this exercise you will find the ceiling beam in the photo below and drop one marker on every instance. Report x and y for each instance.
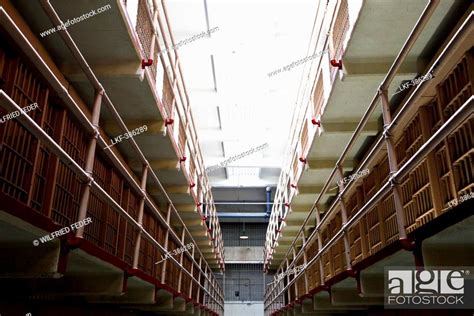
(156, 164)
(171, 189)
(310, 189)
(185, 207)
(372, 66)
(103, 69)
(153, 126)
(329, 163)
(372, 127)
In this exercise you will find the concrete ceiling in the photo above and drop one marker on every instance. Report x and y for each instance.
(236, 104)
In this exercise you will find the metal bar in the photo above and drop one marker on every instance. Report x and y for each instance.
(199, 278)
(41, 135)
(192, 272)
(51, 177)
(393, 164)
(320, 245)
(414, 34)
(298, 116)
(89, 168)
(342, 204)
(71, 104)
(407, 46)
(172, 85)
(93, 79)
(458, 117)
(180, 277)
(294, 260)
(141, 208)
(167, 234)
(305, 260)
(433, 178)
(412, 37)
(178, 64)
(7, 103)
(464, 112)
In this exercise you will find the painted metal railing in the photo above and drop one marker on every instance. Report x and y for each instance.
(399, 196)
(205, 289)
(157, 41)
(295, 161)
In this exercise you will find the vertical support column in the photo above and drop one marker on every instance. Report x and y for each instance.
(211, 291)
(104, 209)
(206, 286)
(123, 224)
(320, 245)
(347, 249)
(362, 224)
(223, 287)
(153, 37)
(199, 279)
(294, 274)
(51, 176)
(141, 207)
(217, 293)
(393, 163)
(167, 235)
(288, 292)
(190, 292)
(379, 208)
(214, 292)
(180, 278)
(447, 154)
(36, 161)
(305, 261)
(431, 162)
(89, 168)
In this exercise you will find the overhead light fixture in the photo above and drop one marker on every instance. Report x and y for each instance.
(243, 235)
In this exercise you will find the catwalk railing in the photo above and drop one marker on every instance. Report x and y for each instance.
(426, 166)
(334, 16)
(49, 162)
(176, 112)
(296, 161)
(155, 37)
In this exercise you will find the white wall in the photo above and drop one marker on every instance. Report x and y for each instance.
(243, 308)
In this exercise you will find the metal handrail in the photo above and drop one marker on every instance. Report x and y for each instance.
(97, 85)
(63, 93)
(418, 92)
(447, 128)
(40, 134)
(190, 127)
(444, 55)
(294, 142)
(424, 17)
